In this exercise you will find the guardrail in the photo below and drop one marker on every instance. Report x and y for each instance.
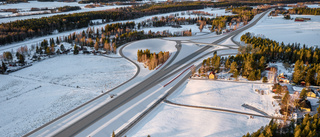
(177, 76)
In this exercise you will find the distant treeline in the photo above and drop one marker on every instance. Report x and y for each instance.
(68, 8)
(101, 1)
(21, 29)
(305, 11)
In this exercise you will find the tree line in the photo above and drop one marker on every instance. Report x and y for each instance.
(68, 8)
(21, 29)
(309, 126)
(252, 58)
(305, 11)
(244, 14)
(306, 59)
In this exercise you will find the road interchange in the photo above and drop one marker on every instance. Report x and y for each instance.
(163, 74)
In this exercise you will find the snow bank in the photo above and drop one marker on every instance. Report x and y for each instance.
(50, 5)
(169, 120)
(33, 96)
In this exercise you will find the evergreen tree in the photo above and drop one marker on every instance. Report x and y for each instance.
(264, 79)
(297, 74)
(236, 74)
(310, 77)
(3, 67)
(21, 59)
(227, 64)
(62, 48)
(233, 67)
(48, 51)
(262, 62)
(297, 133)
(75, 49)
(252, 76)
(57, 41)
(258, 75)
(96, 46)
(113, 134)
(303, 93)
(37, 50)
(217, 64)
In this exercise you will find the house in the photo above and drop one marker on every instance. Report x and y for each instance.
(311, 94)
(305, 105)
(302, 19)
(303, 83)
(284, 80)
(299, 19)
(212, 75)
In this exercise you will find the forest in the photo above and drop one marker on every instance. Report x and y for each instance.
(309, 126)
(251, 59)
(305, 59)
(21, 29)
(305, 11)
(68, 8)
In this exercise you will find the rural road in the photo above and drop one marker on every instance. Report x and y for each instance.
(221, 110)
(163, 74)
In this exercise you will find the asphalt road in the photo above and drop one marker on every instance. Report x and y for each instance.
(159, 76)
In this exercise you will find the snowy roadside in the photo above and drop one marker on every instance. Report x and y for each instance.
(33, 96)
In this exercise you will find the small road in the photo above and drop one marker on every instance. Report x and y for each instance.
(254, 109)
(221, 110)
(231, 81)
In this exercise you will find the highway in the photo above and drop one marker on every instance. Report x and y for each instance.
(163, 74)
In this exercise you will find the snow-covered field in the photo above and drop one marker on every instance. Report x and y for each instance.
(170, 120)
(37, 4)
(288, 31)
(33, 96)
(34, 41)
(50, 5)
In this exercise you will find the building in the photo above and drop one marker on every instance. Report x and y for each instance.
(212, 75)
(305, 105)
(311, 94)
(302, 19)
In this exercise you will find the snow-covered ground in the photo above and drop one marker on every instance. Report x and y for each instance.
(169, 120)
(37, 4)
(33, 41)
(61, 82)
(33, 96)
(50, 5)
(313, 6)
(288, 31)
